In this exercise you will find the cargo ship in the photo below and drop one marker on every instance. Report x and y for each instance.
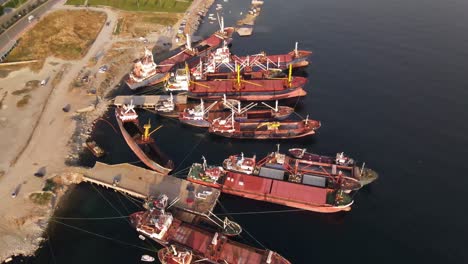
(253, 129)
(139, 140)
(222, 59)
(341, 163)
(201, 116)
(146, 72)
(267, 180)
(196, 242)
(245, 86)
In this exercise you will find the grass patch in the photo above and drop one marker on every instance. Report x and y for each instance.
(118, 27)
(23, 101)
(42, 198)
(141, 24)
(64, 34)
(50, 186)
(161, 20)
(15, 3)
(75, 2)
(172, 6)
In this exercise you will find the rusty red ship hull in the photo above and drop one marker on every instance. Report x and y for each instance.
(286, 129)
(251, 90)
(260, 115)
(165, 66)
(200, 242)
(280, 192)
(148, 153)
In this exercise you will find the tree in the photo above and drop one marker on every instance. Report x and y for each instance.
(2, 10)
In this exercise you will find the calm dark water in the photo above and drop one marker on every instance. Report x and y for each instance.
(388, 81)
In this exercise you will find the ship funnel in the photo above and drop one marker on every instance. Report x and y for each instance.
(189, 42)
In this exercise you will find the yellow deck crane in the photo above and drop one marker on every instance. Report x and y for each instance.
(146, 136)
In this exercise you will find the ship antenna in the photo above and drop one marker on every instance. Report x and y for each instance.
(295, 49)
(174, 250)
(232, 119)
(362, 168)
(307, 119)
(204, 162)
(277, 148)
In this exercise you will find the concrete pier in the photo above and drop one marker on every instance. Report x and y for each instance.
(148, 101)
(192, 198)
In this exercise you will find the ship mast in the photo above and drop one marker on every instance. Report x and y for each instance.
(295, 50)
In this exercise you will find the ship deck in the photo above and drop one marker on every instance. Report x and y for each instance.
(141, 183)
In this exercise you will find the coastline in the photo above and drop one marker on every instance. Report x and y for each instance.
(55, 143)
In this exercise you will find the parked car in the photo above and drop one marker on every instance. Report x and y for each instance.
(103, 68)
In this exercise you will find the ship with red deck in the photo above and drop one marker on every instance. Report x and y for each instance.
(273, 180)
(187, 242)
(201, 116)
(340, 164)
(236, 84)
(146, 72)
(257, 129)
(139, 140)
(223, 60)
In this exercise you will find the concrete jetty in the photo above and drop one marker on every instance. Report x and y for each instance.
(191, 199)
(148, 101)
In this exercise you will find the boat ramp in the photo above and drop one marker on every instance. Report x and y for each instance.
(148, 101)
(188, 199)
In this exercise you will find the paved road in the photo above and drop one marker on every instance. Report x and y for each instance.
(15, 31)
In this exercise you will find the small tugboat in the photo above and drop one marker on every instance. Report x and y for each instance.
(165, 106)
(254, 129)
(95, 149)
(147, 258)
(139, 140)
(340, 162)
(208, 246)
(197, 116)
(176, 255)
(206, 175)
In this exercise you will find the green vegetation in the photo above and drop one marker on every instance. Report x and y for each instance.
(49, 186)
(173, 6)
(118, 27)
(165, 21)
(75, 2)
(41, 198)
(23, 101)
(15, 3)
